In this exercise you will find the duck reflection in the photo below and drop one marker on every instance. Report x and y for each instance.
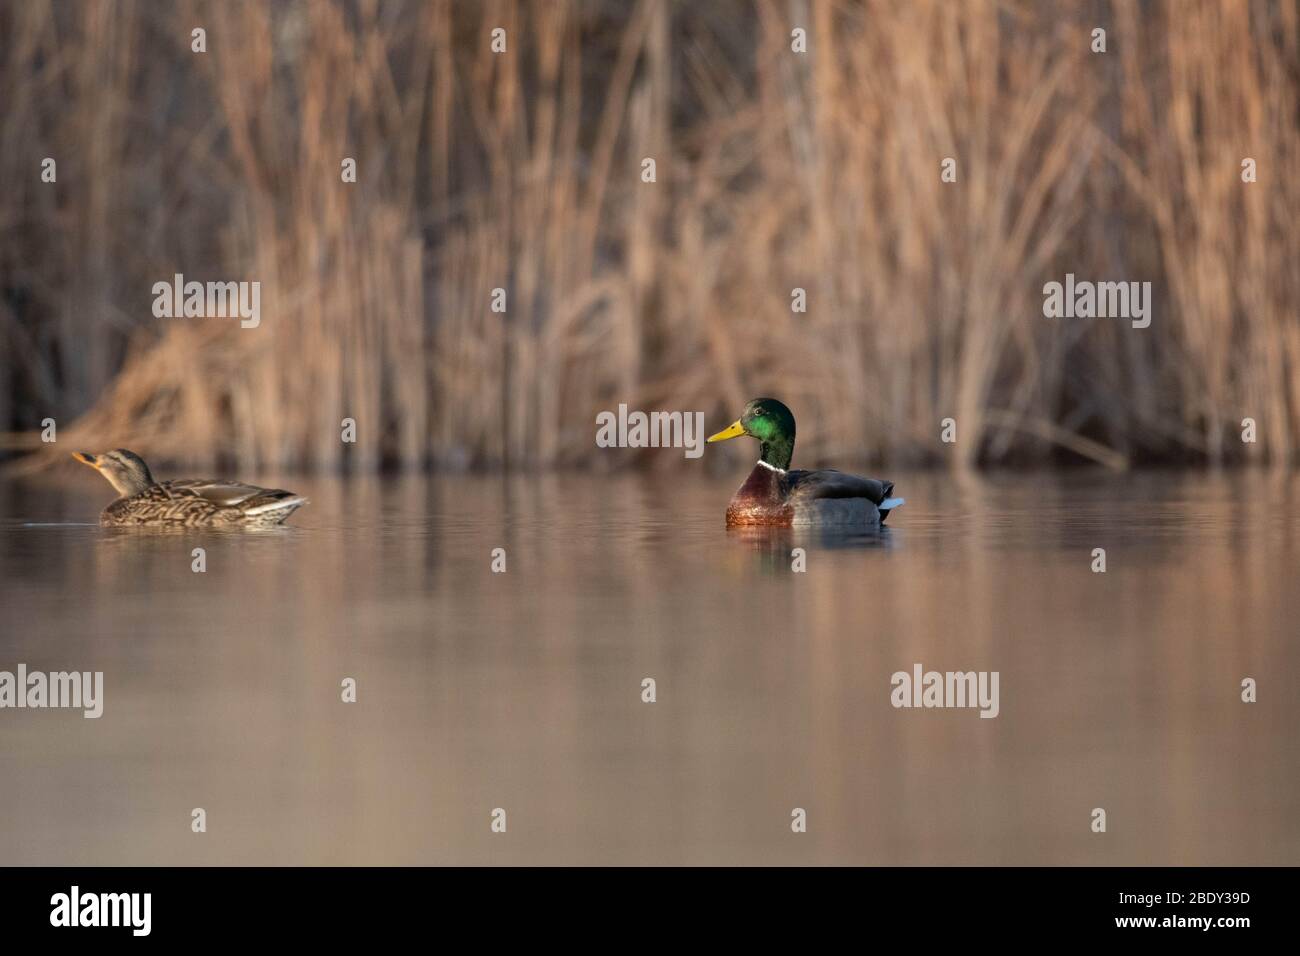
(774, 547)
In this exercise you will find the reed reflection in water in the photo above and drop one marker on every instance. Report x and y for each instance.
(522, 690)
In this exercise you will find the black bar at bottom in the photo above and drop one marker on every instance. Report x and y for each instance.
(372, 904)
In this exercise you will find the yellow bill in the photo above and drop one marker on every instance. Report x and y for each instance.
(731, 431)
(85, 459)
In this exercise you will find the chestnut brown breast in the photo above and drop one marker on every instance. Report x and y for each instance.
(761, 499)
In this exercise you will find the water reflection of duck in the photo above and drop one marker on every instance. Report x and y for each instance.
(773, 495)
(185, 502)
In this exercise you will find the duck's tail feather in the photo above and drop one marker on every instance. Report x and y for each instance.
(888, 505)
(283, 504)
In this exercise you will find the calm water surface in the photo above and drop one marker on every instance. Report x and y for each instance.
(522, 690)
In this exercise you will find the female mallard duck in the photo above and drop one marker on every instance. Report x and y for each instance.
(771, 495)
(185, 502)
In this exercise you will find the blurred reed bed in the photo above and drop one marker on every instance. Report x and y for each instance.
(774, 171)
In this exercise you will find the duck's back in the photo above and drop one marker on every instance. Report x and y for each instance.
(202, 502)
(827, 496)
(829, 483)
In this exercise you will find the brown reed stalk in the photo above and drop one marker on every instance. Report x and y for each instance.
(775, 170)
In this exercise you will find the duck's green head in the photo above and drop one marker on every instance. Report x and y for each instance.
(771, 423)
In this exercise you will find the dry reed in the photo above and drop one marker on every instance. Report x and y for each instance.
(775, 170)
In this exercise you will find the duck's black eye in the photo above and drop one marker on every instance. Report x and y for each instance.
(759, 412)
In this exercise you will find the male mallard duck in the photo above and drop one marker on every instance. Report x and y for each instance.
(185, 502)
(771, 495)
